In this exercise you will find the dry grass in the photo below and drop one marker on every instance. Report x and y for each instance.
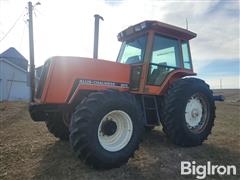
(28, 151)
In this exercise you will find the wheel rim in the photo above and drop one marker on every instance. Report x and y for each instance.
(115, 130)
(196, 113)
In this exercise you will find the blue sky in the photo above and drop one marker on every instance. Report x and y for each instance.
(225, 71)
(226, 67)
(66, 28)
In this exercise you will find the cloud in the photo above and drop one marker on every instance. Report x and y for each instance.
(113, 2)
(216, 24)
(66, 27)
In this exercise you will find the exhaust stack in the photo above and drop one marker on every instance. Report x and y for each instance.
(96, 35)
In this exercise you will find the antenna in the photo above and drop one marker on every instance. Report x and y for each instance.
(186, 23)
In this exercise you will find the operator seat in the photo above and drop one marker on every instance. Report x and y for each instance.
(158, 75)
(133, 60)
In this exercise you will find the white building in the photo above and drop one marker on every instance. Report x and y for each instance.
(13, 76)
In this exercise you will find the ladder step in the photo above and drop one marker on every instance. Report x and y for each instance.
(151, 109)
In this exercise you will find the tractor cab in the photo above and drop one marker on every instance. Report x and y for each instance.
(156, 51)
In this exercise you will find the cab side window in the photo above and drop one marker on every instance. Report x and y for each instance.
(132, 52)
(186, 55)
(165, 58)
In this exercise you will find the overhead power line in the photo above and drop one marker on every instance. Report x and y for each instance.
(23, 32)
(4, 36)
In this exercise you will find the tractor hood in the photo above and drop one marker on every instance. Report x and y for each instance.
(63, 77)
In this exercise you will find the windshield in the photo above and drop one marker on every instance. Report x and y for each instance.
(132, 52)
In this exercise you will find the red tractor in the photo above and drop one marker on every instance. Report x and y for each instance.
(103, 107)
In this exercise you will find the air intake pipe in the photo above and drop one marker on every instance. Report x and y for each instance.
(96, 35)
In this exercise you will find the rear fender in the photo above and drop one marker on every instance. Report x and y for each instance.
(174, 75)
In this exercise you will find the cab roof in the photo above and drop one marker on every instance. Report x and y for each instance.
(159, 27)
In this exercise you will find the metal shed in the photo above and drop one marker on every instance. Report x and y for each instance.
(13, 76)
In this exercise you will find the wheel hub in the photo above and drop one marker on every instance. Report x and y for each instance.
(115, 130)
(109, 127)
(196, 113)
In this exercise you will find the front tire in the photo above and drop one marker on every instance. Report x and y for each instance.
(56, 126)
(106, 128)
(188, 112)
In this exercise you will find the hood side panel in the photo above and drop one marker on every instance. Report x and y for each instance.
(68, 69)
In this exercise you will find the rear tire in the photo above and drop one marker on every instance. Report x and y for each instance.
(188, 112)
(93, 135)
(57, 127)
(149, 128)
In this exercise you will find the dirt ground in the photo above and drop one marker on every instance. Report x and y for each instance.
(28, 151)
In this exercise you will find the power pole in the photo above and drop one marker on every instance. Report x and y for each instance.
(31, 51)
(220, 83)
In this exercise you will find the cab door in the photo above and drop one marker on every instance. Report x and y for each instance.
(165, 58)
